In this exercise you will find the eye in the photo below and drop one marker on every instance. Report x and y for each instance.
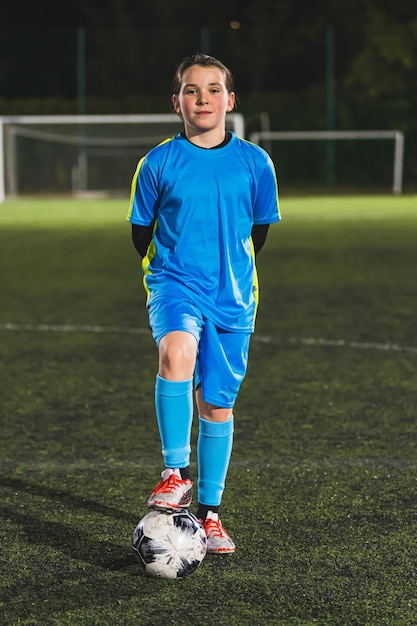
(190, 91)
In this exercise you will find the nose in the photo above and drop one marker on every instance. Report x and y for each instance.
(202, 98)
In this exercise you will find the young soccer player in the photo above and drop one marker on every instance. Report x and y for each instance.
(201, 205)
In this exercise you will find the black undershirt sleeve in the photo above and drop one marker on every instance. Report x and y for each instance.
(141, 237)
(259, 233)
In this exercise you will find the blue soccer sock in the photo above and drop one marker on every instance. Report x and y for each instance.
(214, 448)
(174, 411)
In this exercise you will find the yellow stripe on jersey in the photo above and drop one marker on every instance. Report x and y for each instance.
(133, 188)
(135, 178)
(146, 262)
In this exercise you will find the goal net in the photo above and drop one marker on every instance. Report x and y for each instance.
(81, 154)
(337, 159)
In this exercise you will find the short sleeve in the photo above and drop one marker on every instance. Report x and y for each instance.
(266, 205)
(144, 194)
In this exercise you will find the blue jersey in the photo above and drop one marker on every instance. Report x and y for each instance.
(203, 204)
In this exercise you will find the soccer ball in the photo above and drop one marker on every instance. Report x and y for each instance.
(169, 545)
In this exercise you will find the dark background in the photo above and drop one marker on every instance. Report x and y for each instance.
(309, 65)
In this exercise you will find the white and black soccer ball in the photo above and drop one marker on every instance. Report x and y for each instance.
(169, 545)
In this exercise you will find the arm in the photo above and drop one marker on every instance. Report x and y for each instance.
(141, 237)
(143, 199)
(259, 233)
(266, 205)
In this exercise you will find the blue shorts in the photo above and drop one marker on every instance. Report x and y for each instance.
(222, 356)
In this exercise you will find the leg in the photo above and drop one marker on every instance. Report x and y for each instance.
(211, 412)
(173, 396)
(221, 367)
(174, 412)
(177, 354)
(214, 449)
(177, 351)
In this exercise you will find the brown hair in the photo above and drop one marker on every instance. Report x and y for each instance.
(205, 61)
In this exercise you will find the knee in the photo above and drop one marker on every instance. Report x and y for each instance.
(174, 356)
(177, 356)
(216, 414)
(210, 412)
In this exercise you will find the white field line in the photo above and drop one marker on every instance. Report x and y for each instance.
(71, 328)
(342, 343)
(308, 341)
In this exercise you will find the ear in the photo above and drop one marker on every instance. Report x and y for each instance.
(231, 101)
(176, 104)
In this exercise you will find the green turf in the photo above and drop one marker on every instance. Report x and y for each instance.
(322, 489)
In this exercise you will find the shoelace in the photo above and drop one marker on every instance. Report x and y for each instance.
(214, 527)
(169, 484)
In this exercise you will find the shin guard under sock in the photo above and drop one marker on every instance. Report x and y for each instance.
(174, 411)
(215, 441)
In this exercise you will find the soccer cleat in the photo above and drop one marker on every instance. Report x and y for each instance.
(218, 540)
(172, 493)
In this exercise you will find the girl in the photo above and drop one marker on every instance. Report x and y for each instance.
(201, 204)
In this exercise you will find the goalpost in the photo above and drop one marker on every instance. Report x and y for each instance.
(76, 154)
(396, 135)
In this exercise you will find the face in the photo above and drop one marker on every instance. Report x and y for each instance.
(203, 100)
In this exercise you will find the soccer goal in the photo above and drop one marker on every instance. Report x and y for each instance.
(266, 137)
(84, 154)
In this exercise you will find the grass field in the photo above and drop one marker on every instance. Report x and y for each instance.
(321, 496)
